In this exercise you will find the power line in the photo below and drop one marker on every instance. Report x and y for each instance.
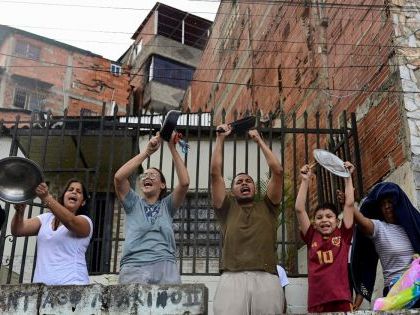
(260, 40)
(261, 50)
(292, 3)
(281, 50)
(213, 69)
(379, 45)
(70, 29)
(291, 18)
(296, 3)
(74, 5)
(246, 83)
(240, 39)
(53, 65)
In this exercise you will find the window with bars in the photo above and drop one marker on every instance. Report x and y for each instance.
(196, 229)
(27, 50)
(170, 72)
(29, 99)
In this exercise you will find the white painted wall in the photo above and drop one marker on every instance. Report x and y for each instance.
(204, 159)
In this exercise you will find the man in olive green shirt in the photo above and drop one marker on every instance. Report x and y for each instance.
(249, 283)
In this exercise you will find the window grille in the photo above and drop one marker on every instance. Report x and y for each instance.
(27, 50)
(29, 99)
(170, 72)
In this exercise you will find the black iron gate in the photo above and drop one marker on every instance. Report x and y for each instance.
(93, 148)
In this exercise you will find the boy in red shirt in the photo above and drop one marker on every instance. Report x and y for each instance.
(328, 247)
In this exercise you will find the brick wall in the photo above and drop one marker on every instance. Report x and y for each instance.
(71, 78)
(292, 58)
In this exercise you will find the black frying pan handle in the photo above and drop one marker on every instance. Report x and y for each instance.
(221, 130)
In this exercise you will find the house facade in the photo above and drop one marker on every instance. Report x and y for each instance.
(166, 50)
(39, 74)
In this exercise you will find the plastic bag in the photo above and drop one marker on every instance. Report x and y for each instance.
(404, 293)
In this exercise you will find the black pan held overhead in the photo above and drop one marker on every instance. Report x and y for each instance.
(241, 126)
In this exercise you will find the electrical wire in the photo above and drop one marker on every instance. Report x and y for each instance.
(214, 69)
(285, 52)
(259, 50)
(244, 84)
(240, 39)
(264, 50)
(246, 39)
(292, 3)
(379, 45)
(310, 4)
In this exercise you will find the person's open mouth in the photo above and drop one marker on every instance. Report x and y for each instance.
(245, 190)
(147, 184)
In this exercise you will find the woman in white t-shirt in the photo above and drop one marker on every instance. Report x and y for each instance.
(63, 235)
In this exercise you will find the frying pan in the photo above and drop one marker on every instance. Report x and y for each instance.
(169, 124)
(18, 179)
(242, 125)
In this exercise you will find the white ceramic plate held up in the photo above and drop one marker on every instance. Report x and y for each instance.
(331, 162)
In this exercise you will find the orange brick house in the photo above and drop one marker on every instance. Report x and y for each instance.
(41, 74)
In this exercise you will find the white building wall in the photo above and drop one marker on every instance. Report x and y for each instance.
(202, 167)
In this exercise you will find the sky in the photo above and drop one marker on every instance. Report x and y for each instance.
(103, 27)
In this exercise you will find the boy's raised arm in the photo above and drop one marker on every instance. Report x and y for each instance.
(300, 205)
(349, 208)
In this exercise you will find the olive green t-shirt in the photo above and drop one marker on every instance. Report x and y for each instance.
(249, 235)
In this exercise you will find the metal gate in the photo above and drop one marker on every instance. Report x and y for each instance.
(92, 148)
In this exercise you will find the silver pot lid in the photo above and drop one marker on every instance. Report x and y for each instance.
(18, 179)
(331, 162)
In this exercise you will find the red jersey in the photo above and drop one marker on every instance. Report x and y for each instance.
(328, 266)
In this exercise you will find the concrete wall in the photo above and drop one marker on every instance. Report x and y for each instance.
(99, 299)
(161, 96)
(296, 291)
(124, 299)
(406, 18)
(172, 50)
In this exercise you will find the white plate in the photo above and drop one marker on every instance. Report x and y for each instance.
(331, 162)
